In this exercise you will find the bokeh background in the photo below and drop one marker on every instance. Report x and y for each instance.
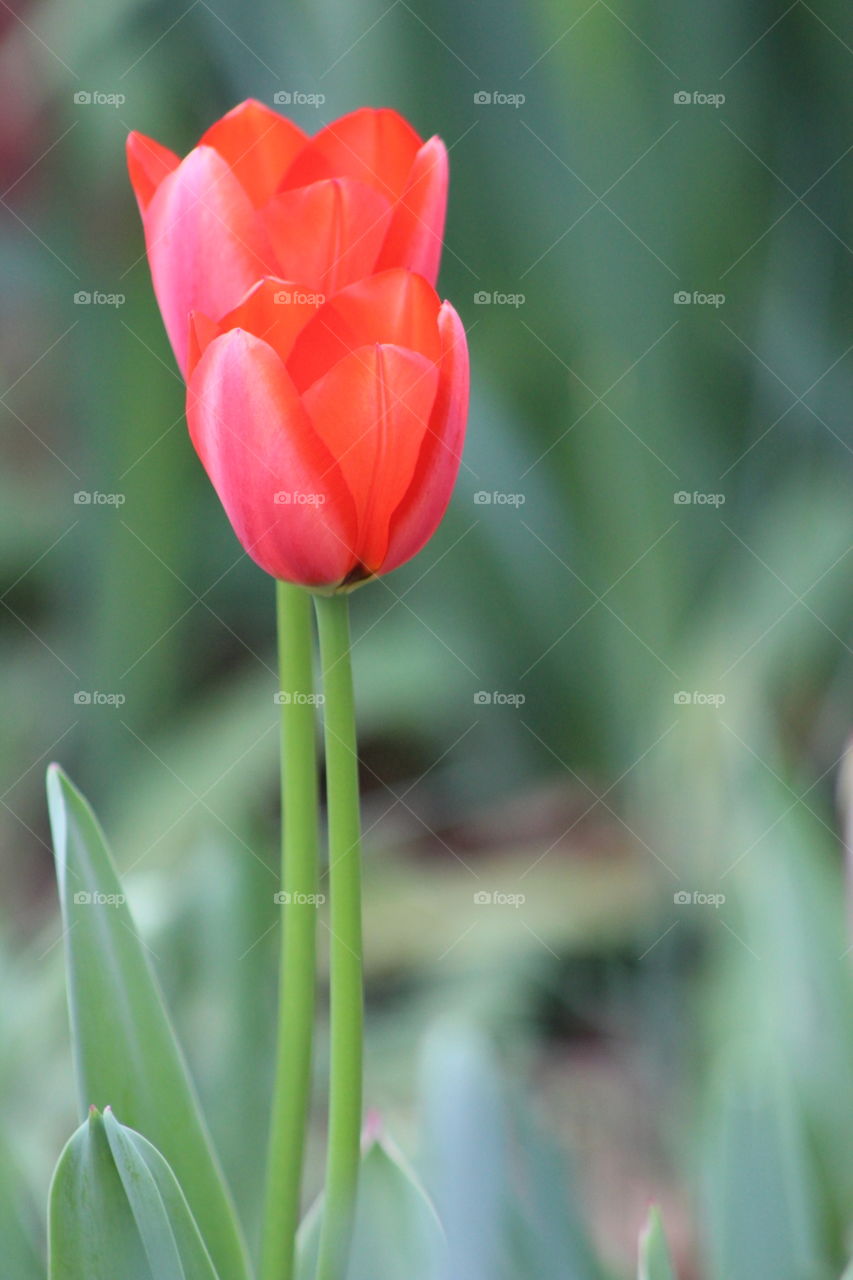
(603, 715)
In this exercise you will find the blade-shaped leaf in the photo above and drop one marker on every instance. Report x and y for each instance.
(116, 1208)
(655, 1262)
(125, 1050)
(397, 1232)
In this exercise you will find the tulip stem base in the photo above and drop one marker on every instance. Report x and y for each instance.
(346, 979)
(299, 860)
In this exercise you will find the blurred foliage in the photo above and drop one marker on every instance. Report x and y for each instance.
(701, 1056)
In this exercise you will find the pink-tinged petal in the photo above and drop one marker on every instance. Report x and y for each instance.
(393, 307)
(258, 144)
(371, 410)
(148, 163)
(374, 145)
(415, 236)
(280, 485)
(428, 495)
(328, 233)
(205, 245)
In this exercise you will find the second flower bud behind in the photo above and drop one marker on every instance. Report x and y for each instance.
(331, 430)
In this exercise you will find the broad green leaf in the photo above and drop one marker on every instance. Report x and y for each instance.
(762, 1210)
(397, 1232)
(125, 1050)
(655, 1262)
(116, 1209)
(168, 1231)
(466, 1150)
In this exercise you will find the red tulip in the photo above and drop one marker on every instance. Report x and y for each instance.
(331, 431)
(257, 197)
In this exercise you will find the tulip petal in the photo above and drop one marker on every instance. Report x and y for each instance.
(374, 145)
(394, 307)
(275, 310)
(148, 163)
(328, 233)
(277, 480)
(426, 499)
(416, 233)
(205, 246)
(371, 410)
(259, 146)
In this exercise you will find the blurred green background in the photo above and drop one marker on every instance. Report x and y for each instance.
(653, 607)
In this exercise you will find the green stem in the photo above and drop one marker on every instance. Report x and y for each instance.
(292, 1087)
(346, 982)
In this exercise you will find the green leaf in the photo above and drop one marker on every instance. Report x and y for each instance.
(397, 1232)
(655, 1262)
(125, 1050)
(115, 1203)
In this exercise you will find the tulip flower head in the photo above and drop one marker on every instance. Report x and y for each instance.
(257, 197)
(331, 430)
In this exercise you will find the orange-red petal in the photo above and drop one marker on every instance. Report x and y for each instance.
(258, 144)
(426, 499)
(277, 480)
(374, 145)
(328, 233)
(371, 410)
(205, 247)
(415, 236)
(393, 307)
(148, 163)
